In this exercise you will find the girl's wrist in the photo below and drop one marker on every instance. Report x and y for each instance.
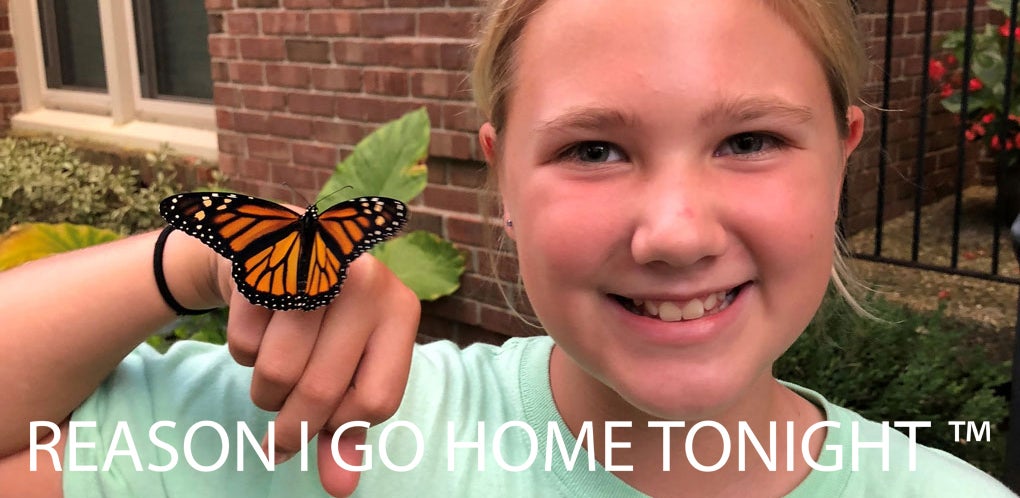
(192, 272)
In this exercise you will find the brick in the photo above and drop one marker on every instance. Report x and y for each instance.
(415, 53)
(464, 230)
(248, 73)
(415, 3)
(440, 84)
(254, 168)
(309, 103)
(226, 96)
(336, 78)
(258, 4)
(383, 82)
(215, 5)
(290, 23)
(215, 21)
(263, 99)
(261, 48)
(333, 23)
(315, 155)
(296, 177)
(315, 51)
(359, 108)
(451, 199)
(383, 24)
(224, 119)
(455, 145)
(336, 132)
(358, 52)
(231, 143)
(221, 46)
(286, 126)
(307, 4)
(241, 23)
(448, 24)
(268, 148)
(455, 308)
(218, 71)
(249, 122)
(470, 175)
(455, 56)
(461, 117)
(358, 4)
(287, 75)
(8, 77)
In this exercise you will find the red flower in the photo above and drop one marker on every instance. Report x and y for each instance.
(978, 129)
(974, 85)
(943, 294)
(950, 59)
(970, 135)
(936, 70)
(988, 118)
(1016, 140)
(947, 90)
(994, 143)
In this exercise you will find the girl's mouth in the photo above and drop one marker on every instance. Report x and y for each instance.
(675, 311)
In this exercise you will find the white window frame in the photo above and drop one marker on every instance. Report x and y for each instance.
(120, 116)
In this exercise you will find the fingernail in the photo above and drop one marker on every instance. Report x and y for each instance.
(281, 457)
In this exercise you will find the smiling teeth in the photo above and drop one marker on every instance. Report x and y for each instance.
(674, 311)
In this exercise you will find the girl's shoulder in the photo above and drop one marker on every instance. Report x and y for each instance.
(861, 457)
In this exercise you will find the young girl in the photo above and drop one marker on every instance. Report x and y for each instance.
(670, 174)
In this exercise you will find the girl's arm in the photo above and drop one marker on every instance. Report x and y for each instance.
(70, 319)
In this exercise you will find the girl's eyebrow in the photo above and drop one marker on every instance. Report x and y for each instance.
(755, 107)
(587, 118)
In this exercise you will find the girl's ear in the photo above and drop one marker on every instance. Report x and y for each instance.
(855, 126)
(487, 139)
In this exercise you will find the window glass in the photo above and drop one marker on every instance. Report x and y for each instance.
(72, 44)
(175, 49)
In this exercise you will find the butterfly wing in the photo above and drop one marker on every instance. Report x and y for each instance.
(261, 238)
(343, 233)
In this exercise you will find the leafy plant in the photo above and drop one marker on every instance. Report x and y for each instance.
(46, 180)
(988, 122)
(914, 366)
(390, 162)
(23, 243)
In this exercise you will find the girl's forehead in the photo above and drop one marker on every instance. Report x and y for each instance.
(647, 55)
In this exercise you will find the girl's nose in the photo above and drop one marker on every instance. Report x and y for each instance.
(678, 223)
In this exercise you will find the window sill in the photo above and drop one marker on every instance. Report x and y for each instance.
(135, 134)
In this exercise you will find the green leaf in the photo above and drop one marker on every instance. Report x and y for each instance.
(390, 162)
(27, 242)
(426, 263)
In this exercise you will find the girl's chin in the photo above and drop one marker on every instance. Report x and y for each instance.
(694, 400)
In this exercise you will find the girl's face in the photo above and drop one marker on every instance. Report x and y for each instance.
(672, 170)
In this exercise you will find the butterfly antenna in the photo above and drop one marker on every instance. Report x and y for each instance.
(331, 194)
(297, 194)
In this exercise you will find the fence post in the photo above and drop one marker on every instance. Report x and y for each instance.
(1013, 443)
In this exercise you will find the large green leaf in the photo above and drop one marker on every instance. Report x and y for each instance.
(390, 162)
(426, 263)
(23, 243)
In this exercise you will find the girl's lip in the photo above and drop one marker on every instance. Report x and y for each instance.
(683, 333)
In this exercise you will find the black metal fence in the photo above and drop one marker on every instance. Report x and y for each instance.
(972, 65)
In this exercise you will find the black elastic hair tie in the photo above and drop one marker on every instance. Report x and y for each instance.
(157, 269)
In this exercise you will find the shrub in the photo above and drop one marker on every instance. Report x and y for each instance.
(914, 366)
(46, 180)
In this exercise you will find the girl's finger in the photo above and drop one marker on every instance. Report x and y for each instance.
(286, 347)
(327, 374)
(377, 387)
(245, 328)
(336, 480)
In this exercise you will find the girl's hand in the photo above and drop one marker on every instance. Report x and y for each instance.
(346, 361)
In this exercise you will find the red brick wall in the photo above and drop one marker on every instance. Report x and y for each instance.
(10, 98)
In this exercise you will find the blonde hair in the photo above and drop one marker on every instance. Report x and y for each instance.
(827, 26)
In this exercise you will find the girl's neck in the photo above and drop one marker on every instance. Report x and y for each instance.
(580, 398)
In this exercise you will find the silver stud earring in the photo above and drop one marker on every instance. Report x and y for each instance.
(509, 223)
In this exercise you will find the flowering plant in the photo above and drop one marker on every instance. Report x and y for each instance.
(997, 129)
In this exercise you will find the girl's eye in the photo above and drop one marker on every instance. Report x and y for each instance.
(748, 145)
(593, 152)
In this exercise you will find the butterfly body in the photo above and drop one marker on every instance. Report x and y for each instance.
(283, 259)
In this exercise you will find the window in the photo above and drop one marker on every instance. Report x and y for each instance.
(135, 72)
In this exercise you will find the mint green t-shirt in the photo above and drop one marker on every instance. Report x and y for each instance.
(168, 426)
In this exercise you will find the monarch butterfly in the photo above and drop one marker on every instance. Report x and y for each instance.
(282, 259)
